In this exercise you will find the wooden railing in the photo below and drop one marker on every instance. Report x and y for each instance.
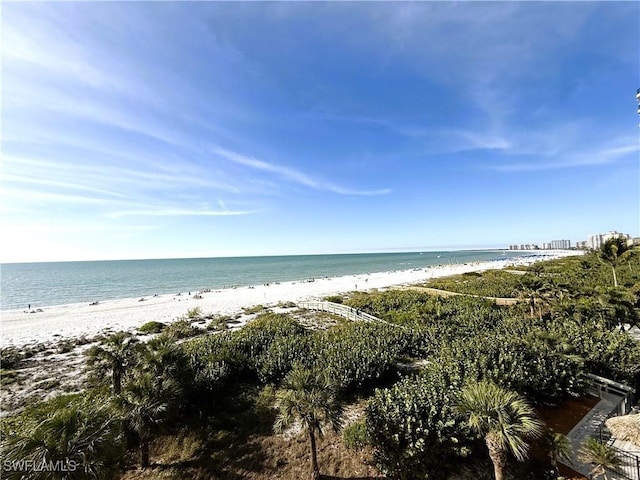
(600, 385)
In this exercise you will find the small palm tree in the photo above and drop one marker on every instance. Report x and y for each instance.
(613, 252)
(114, 356)
(309, 398)
(602, 457)
(558, 446)
(503, 418)
(619, 306)
(535, 291)
(159, 356)
(143, 408)
(79, 434)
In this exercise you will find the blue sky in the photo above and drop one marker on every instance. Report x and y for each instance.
(152, 130)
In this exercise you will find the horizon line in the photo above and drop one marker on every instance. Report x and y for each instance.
(200, 257)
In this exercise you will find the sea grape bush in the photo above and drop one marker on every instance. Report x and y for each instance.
(414, 427)
(283, 353)
(358, 354)
(526, 365)
(352, 354)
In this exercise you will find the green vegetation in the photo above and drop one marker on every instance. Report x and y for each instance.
(355, 435)
(493, 283)
(614, 252)
(254, 309)
(75, 432)
(601, 456)
(308, 397)
(194, 313)
(433, 373)
(334, 298)
(7, 377)
(152, 327)
(503, 418)
(414, 427)
(113, 356)
(559, 448)
(10, 358)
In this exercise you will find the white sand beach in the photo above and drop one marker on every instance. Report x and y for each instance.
(18, 327)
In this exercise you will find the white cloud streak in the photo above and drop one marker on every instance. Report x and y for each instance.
(178, 212)
(292, 174)
(603, 156)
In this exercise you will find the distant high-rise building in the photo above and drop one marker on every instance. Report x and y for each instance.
(560, 244)
(596, 240)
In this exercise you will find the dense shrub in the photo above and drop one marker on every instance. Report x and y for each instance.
(414, 428)
(492, 283)
(181, 329)
(334, 298)
(528, 366)
(360, 354)
(152, 327)
(217, 358)
(214, 360)
(10, 357)
(274, 364)
(355, 435)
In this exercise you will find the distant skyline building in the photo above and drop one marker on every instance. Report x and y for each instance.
(560, 244)
(596, 240)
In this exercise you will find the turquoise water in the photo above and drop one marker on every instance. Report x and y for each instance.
(58, 283)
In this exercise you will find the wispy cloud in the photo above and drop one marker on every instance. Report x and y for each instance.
(603, 156)
(81, 228)
(44, 198)
(178, 212)
(291, 174)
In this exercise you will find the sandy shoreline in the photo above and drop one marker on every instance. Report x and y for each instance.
(18, 328)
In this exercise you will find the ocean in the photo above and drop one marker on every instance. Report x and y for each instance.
(59, 283)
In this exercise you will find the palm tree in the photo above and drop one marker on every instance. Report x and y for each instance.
(535, 291)
(159, 356)
(601, 456)
(613, 252)
(78, 435)
(619, 305)
(558, 446)
(503, 418)
(143, 407)
(309, 398)
(113, 355)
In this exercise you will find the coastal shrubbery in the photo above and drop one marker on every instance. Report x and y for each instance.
(492, 283)
(414, 426)
(152, 327)
(353, 354)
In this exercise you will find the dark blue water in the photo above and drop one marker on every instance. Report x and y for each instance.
(58, 283)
